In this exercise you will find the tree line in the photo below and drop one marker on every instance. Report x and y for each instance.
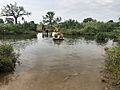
(88, 26)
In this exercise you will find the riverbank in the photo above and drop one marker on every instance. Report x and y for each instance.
(111, 73)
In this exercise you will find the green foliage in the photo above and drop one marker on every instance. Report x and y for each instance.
(7, 58)
(100, 30)
(89, 26)
(89, 20)
(71, 31)
(110, 21)
(118, 39)
(25, 28)
(1, 21)
(113, 64)
(70, 24)
(14, 11)
(6, 50)
(50, 19)
(9, 20)
(101, 37)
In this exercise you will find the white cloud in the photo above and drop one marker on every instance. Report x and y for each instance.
(76, 9)
(104, 2)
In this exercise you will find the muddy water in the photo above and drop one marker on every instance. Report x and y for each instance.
(72, 64)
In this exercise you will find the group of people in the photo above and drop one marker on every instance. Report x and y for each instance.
(45, 33)
(56, 34)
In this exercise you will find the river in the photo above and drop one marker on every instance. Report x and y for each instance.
(71, 64)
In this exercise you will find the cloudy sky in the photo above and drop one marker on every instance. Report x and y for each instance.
(74, 9)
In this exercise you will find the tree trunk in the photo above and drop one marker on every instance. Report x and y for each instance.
(15, 20)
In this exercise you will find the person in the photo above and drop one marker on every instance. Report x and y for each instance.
(56, 29)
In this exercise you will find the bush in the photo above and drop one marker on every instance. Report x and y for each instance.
(25, 28)
(7, 58)
(101, 36)
(113, 64)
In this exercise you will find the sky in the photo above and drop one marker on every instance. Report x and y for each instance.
(102, 10)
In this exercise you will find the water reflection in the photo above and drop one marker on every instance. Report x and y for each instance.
(102, 42)
(43, 52)
(44, 35)
(58, 42)
(17, 37)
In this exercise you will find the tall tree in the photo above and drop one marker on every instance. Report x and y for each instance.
(50, 19)
(14, 11)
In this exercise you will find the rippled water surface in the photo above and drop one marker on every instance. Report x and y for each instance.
(71, 64)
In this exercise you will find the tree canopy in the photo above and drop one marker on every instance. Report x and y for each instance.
(9, 20)
(14, 11)
(49, 18)
(89, 20)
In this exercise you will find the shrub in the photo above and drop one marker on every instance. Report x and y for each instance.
(17, 28)
(101, 36)
(7, 58)
(112, 64)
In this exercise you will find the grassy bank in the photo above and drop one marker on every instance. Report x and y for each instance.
(112, 64)
(7, 58)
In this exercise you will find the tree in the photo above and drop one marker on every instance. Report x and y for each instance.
(110, 21)
(9, 20)
(1, 20)
(58, 19)
(89, 20)
(50, 19)
(70, 24)
(14, 11)
(119, 19)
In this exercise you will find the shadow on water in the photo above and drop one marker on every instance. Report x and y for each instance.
(58, 42)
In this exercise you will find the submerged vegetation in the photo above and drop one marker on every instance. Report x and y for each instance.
(7, 58)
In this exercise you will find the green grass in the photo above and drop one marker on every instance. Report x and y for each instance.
(112, 64)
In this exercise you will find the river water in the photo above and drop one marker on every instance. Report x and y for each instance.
(71, 64)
